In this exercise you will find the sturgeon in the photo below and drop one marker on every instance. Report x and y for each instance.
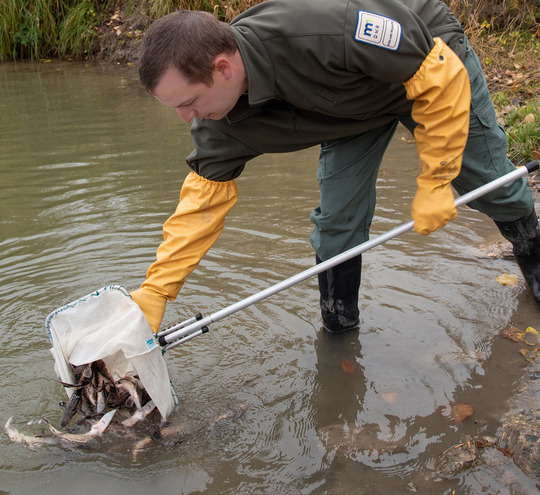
(79, 438)
(32, 441)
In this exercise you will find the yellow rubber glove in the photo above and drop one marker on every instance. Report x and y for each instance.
(152, 305)
(188, 234)
(442, 97)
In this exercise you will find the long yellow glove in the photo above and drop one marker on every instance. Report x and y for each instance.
(188, 234)
(442, 97)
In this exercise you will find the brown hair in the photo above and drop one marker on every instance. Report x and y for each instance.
(187, 40)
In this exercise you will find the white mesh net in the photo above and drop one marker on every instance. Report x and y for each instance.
(109, 325)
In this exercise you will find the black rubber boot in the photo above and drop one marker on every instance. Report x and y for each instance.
(524, 234)
(339, 287)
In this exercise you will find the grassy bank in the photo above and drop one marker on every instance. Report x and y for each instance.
(44, 28)
(48, 28)
(508, 45)
(39, 29)
(504, 33)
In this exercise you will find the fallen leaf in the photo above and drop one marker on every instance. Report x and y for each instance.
(390, 397)
(530, 336)
(529, 118)
(511, 333)
(530, 354)
(347, 367)
(509, 108)
(460, 412)
(508, 279)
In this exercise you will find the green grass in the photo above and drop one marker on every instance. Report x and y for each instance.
(46, 28)
(521, 123)
(522, 127)
(78, 31)
(33, 29)
(26, 28)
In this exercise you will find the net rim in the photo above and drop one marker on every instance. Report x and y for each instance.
(73, 304)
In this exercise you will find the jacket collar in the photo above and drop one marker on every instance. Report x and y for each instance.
(242, 110)
(258, 65)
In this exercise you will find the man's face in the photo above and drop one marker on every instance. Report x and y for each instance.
(199, 100)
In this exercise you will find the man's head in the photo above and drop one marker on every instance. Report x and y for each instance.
(187, 40)
(190, 62)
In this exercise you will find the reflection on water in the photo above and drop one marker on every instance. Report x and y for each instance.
(92, 166)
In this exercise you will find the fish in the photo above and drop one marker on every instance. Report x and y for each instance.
(95, 391)
(83, 376)
(83, 373)
(176, 434)
(131, 388)
(102, 368)
(139, 447)
(89, 393)
(172, 435)
(80, 438)
(101, 401)
(140, 414)
(32, 441)
(116, 397)
(71, 407)
(233, 413)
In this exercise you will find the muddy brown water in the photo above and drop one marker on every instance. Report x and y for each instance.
(91, 167)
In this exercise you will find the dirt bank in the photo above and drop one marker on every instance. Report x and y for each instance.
(120, 37)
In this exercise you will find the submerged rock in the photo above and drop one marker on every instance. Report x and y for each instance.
(365, 439)
(456, 459)
(520, 438)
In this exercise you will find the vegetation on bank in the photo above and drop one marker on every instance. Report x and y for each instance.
(506, 36)
(57, 28)
(504, 33)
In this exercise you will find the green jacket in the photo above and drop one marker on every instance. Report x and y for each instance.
(320, 70)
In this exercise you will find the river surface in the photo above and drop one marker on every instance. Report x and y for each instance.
(91, 166)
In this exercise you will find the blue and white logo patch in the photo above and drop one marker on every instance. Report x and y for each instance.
(378, 30)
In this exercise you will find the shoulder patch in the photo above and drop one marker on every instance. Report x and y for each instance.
(378, 30)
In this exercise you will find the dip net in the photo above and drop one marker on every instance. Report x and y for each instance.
(108, 325)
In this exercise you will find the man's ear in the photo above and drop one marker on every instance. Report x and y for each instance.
(222, 64)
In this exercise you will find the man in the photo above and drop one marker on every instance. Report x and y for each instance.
(287, 75)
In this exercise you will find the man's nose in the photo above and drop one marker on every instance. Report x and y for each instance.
(186, 114)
